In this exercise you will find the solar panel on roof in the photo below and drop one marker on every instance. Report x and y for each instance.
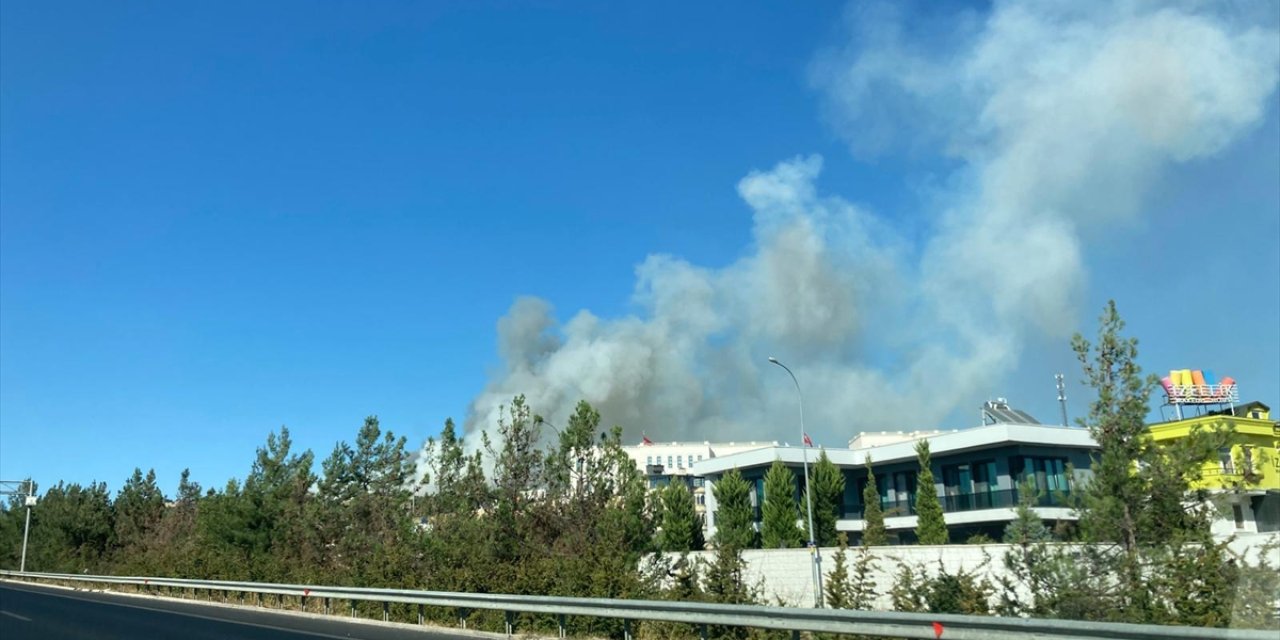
(1026, 417)
(1002, 413)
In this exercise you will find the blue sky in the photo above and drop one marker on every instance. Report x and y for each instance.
(214, 222)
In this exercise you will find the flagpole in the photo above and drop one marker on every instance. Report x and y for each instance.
(808, 493)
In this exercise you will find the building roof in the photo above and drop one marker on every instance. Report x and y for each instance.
(1240, 409)
(977, 438)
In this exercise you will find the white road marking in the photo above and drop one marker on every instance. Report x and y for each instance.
(14, 615)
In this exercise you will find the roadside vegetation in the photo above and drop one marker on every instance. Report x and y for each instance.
(566, 512)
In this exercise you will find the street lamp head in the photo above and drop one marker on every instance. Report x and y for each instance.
(773, 360)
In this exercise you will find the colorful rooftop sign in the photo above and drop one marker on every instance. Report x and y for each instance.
(1195, 386)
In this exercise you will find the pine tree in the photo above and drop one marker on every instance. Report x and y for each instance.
(780, 512)
(71, 529)
(1117, 422)
(734, 517)
(1026, 527)
(837, 584)
(851, 589)
(274, 508)
(445, 464)
(681, 528)
(139, 508)
(931, 528)
(827, 493)
(873, 532)
(364, 515)
(1150, 531)
(519, 475)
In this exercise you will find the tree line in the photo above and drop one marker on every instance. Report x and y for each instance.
(571, 515)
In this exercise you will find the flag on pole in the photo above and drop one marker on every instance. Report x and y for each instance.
(807, 442)
(644, 440)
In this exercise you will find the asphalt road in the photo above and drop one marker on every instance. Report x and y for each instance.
(44, 613)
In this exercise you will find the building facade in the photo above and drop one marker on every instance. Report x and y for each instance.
(665, 462)
(977, 473)
(1245, 476)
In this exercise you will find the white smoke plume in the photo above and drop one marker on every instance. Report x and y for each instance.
(1059, 117)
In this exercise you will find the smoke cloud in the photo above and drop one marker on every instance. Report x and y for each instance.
(1059, 119)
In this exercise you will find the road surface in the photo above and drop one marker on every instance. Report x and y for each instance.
(30, 612)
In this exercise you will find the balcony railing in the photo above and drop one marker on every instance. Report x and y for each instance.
(1005, 498)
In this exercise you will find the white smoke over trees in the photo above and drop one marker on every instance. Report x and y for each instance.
(1061, 117)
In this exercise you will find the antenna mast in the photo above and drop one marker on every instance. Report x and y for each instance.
(1062, 397)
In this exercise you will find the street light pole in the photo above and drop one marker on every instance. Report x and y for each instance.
(808, 493)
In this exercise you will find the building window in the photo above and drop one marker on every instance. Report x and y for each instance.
(648, 461)
(680, 461)
(699, 482)
(901, 494)
(1224, 460)
(702, 499)
(1048, 474)
(1238, 512)
(669, 458)
(699, 457)
(969, 486)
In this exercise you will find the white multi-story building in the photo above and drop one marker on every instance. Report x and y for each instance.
(977, 473)
(664, 462)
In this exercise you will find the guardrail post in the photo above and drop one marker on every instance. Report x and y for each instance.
(462, 617)
(511, 624)
(326, 605)
(795, 635)
(422, 618)
(702, 631)
(626, 629)
(560, 623)
(258, 598)
(353, 608)
(386, 611)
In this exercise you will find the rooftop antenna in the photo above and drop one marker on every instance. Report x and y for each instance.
(1062, 397)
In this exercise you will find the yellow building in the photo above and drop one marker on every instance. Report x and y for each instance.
(1247, 473)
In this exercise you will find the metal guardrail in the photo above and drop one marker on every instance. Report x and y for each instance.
(700, 614)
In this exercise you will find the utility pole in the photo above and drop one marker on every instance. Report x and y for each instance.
(26, 490)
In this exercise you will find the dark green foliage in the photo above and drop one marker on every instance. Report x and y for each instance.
(724, 582)
(734, 519)
(908, 589)
(724, 578)
(827, 493)
(1149, 556)
(962, 592)
(681, 528)
(931, 528)
(517, 478)
(363, 500)
(1026, 527)
(779, 514)
(72, 529)
(571, 519)
(139, 508)
(873, 533)
(851, 589)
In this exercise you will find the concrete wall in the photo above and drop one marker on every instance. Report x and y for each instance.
(786, 575)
